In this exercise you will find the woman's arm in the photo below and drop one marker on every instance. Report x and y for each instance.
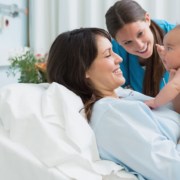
(128, 133)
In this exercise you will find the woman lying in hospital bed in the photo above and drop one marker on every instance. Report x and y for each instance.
(46, 118)
(127, 131)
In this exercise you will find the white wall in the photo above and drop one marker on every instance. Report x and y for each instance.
(70, 14)
(14, 36)
(57, 16)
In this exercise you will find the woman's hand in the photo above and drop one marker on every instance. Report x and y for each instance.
(151, 104)
(179, 141)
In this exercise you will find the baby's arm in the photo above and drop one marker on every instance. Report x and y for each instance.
(167, 94)
(175, 101)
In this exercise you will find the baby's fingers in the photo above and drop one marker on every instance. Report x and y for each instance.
(159, 47)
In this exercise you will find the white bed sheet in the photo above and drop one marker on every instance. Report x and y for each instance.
(18, 163)
(46, 137)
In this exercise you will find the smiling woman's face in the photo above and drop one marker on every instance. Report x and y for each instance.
(104, 73)
(137, 38)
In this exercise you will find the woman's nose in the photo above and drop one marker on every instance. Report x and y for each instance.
(118, 59)
(140, 45)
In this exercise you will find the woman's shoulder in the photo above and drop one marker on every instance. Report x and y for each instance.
(165, 25)
(108, 106)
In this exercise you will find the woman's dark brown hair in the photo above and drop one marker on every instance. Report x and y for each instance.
(128, 11)
(70, 56)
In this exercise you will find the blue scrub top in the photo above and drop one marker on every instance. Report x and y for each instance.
(136, 72)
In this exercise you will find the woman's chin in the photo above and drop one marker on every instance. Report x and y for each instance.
(147, 55)
(122, 82)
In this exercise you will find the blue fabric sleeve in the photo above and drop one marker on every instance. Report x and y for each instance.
(166, 26)
(134, 136)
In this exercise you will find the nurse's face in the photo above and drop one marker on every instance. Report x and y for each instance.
(105, 74)
(137, 38)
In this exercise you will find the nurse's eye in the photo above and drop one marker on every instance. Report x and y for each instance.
(128, 42)
(140, 34)
(169, 49)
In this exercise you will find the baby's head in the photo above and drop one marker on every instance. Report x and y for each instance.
(171, 52)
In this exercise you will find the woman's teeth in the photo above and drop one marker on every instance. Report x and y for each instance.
(143, 49)
(118, 70)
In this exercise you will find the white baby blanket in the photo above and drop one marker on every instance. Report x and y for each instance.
(46, 120)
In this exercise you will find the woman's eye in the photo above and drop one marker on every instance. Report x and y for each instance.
(140, 34)
(169, 49)
(128, 42)
(108, 55)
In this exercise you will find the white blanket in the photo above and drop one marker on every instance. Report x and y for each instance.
(18, 163)
(45, 118)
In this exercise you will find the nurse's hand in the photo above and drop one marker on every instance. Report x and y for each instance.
(179, 141)
(151, 104)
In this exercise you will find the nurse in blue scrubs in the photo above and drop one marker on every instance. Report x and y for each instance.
(135, 37)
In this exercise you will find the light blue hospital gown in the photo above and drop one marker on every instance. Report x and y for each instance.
(142, 140)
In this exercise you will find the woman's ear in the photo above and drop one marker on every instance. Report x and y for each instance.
(87, 75)
(148, 20)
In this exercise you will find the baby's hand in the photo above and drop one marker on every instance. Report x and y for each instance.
(159, 50)
(151, 103)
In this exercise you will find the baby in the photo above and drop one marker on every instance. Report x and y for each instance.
(170, 55)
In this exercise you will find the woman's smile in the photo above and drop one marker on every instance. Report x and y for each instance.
(117, 71)
(145, 50)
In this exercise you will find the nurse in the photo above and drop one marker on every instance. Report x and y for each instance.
(135, 37)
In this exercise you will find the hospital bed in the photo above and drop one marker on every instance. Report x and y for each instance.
(18, 163)
(44, 137)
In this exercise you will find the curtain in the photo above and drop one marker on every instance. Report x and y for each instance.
(49, 18)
